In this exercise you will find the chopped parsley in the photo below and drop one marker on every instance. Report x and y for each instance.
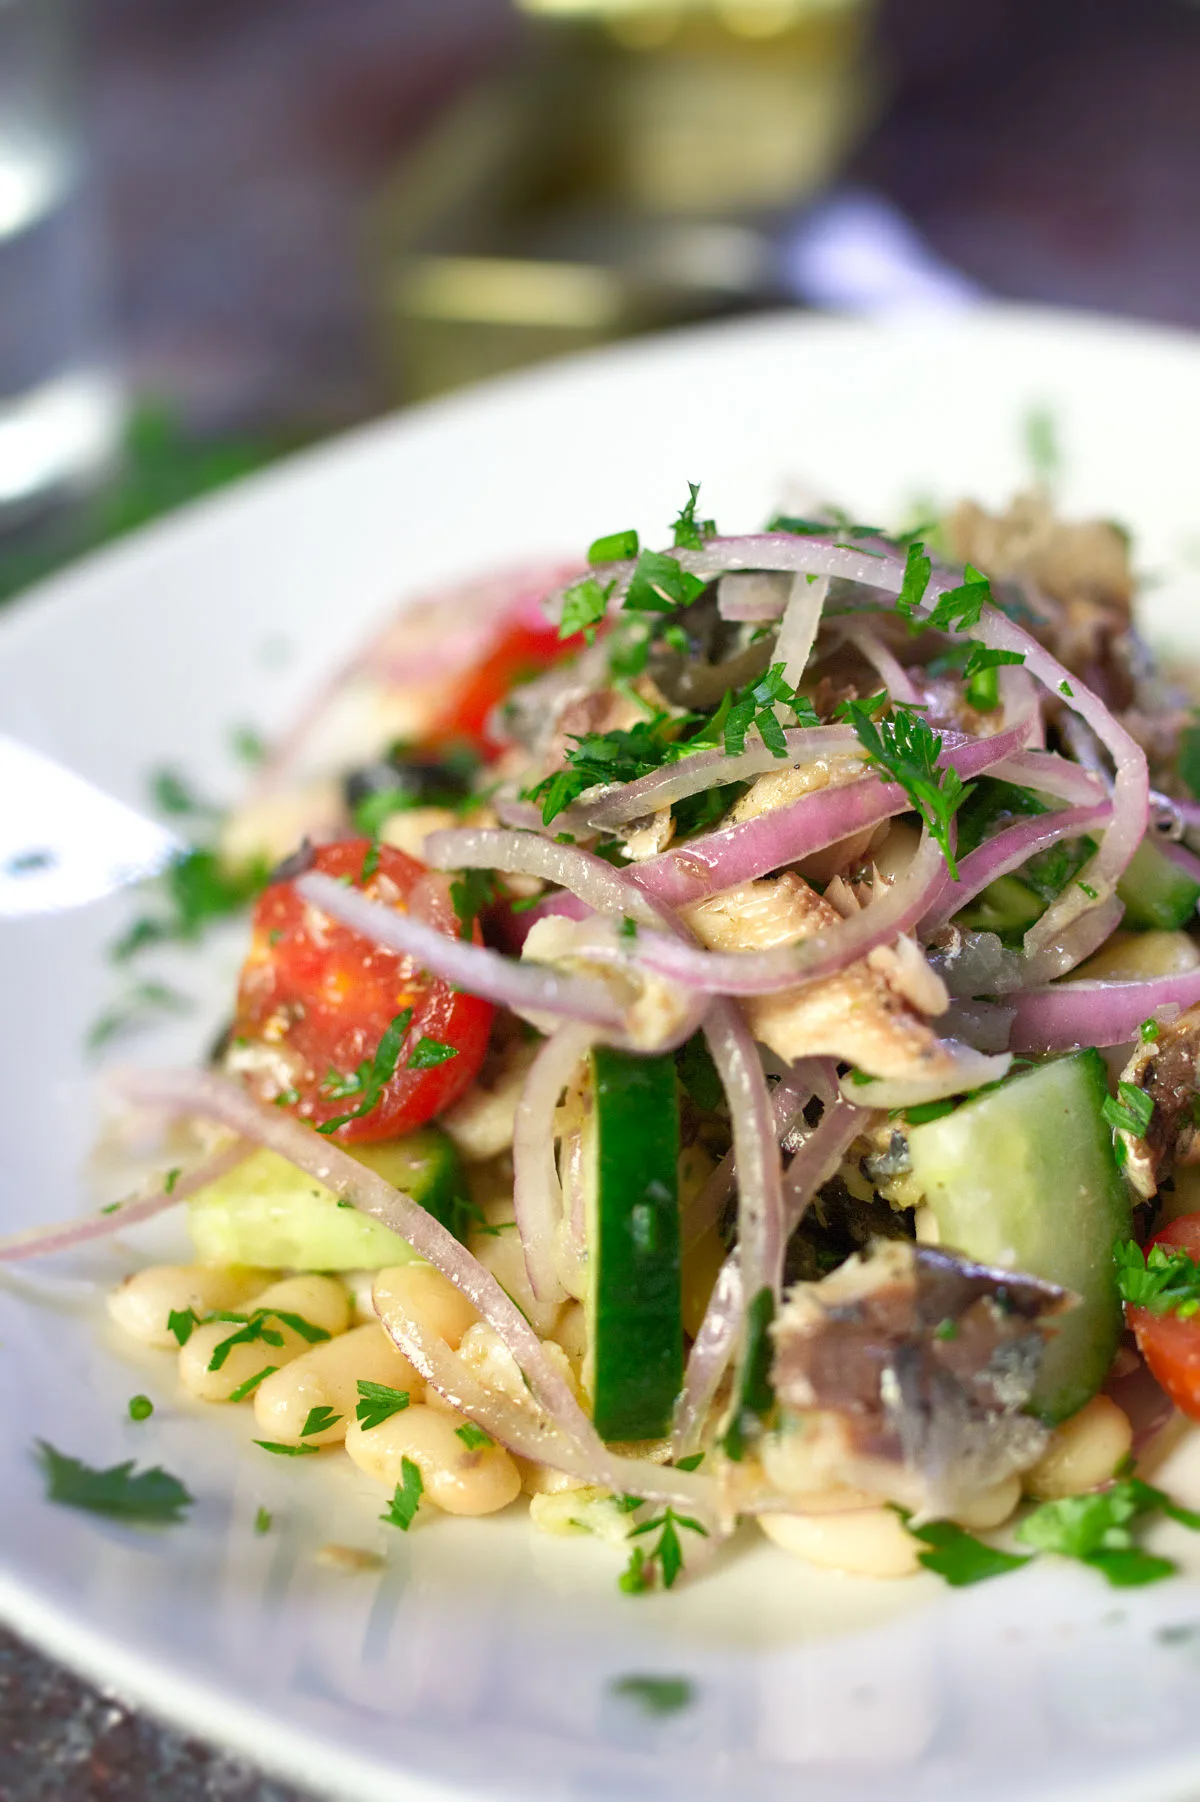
(960, 608)
(907, 749)
(656, 1695)
(254, 1330)
(983, 682)
(660, 584)
(251, 1384)
(370, 862)
(470, 893)
(140, 1407)
(665, 1560)
(755, 705)
(605, 757)
(1148, 1031)
(1130, 1110)
(372, 1075)
(616, 547)
(170, 1179)
(1098, 1530)
(402, 1509)
(628, 929)
(1165, 1280)
(917, 570)
(473, 1437)
(958, 1556)
(1064, 688)
(377, 1403)
(374, 810)
(286, 1451)
(585, 604)
(692, 1462)
(121, 1492)
(754, 1397)
(427, 1054)
(248, 745)
(263, 1521)
(319, 1420)
(690, 532)
(172, 794)
(197, 890)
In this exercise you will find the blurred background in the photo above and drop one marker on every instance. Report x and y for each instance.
(229, 227)
(233, 227)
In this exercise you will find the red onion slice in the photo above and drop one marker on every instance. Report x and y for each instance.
(709, 1357)
(760, 1192)
(754, 848)
(1071, 1014)
(537, 1195)
(1049, 774)
(44, 1241)
(711, 769)
(887, 667)
(526, 987)
(1007, 852)
(818, 1158)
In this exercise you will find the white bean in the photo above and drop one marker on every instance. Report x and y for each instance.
(502, 1254)
(869, 1542)
(458, 1477)
(422, 1291)
(1136, 956)
(321, 1300)
(991, 1507)
(328, 1376)
(142, 1304)
(1083, 1453)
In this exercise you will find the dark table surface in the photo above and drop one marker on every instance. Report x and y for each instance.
(1049, 148)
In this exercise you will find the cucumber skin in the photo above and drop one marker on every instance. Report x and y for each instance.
(268, 1213)
(634, 1247)
(1158, 895)
(961, 1161)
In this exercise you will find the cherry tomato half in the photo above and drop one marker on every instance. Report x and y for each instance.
(522, 649)
(1171, 1346)
(315, 1001)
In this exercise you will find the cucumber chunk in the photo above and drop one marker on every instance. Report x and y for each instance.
(634, 1300)
(1008, 907)
(1158, 895)
(267, 1212)
(1025, 1178)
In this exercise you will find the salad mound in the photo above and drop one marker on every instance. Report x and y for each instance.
(722, 1043)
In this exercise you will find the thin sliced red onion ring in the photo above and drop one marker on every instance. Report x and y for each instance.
(44, 1241)
(751, 597)
(887, 667)
(796, 1089)
(1007, 851)
(1069, 1014)
(1049, 774)
(976, 963)
(756, 847)
(760, 1191)
(712, 769)
(818, 1158)
(537, 1195)
(525, 986)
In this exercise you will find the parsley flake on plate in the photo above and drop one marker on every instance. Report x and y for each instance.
(665, 1559)
(140, 1407)
(121, 1492)
(656, 1695)
(1097, 1530)
(958, 1556)
(402, 1509)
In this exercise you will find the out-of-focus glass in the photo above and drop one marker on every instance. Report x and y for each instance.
(59, 400)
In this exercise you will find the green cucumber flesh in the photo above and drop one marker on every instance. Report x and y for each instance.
(1007, 907)
(1158, 895)
(634, 1299)
(267, 1212)
(1025, 1178)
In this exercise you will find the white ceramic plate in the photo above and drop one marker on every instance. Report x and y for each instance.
(482, 1659)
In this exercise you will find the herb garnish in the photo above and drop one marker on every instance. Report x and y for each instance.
(615, 547)
(402, 1508)
(585, 604)
(286, 1451)
(135, 1011)
(958, 1556)
(378, 1403)
(917, 570)
(1129, 1111)
(660, 584)
(262, 1521)
(197, 889)
(960, 608)
(755, 705)
(690, 532)
(1148, 1031)
(470, 893)
(319, 1420)
(1097, 1529)
(604, 757)
(427, 1054)
(372, 1075)
(656, 1695)
(251, 1384)
(907, 749)
(120, 1492)
(253, 1330)
(140, 1407)
(665, 1559)
(1164, 1280)
(473, 1437)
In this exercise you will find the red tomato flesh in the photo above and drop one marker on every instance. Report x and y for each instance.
(315, 999)
(1171, 1346)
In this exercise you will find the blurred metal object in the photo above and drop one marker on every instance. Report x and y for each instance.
(637, 169)
(60, 412)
